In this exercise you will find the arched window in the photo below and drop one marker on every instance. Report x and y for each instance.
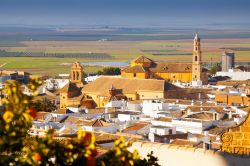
(77, 75)
(195, 58)
(74, 75)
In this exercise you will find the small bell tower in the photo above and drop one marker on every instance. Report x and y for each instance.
(77, 75)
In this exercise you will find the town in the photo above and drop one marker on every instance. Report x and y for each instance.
(151, 103)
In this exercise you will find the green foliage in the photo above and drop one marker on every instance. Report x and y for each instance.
(17, 147)
(150, 161)
(44, 105)
(110, 71)
(214, 69)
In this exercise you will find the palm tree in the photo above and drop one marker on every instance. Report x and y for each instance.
(45, 105)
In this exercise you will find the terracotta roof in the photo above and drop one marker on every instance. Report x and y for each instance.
(67, 131)
(217, 130)
(165, 67)
(204, 108)
(142, 59)
(100, 110)
(127, 85)
(134, 69)
(136, 126)
(41, 115)
(160, 67)
(98, 123)
(174, 114)
(75, 120)
(165, 119)
(202, 116)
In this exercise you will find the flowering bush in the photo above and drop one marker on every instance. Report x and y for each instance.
(17, 147)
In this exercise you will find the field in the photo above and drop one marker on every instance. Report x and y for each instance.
(177, 50)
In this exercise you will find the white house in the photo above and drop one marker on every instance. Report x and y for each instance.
(140, 128)
(99, 126)
(160, 131)
(235, 75)
(191, 125)
(129, 116)
(153, 107)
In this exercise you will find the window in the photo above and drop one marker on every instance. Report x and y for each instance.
(134, 74)
(215, 116)
(195, 58)
(196, 48)
(170, 131)
(173, 76)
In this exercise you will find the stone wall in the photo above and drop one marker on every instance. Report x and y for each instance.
(173, 155)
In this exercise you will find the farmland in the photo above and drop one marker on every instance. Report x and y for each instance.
(52, 57)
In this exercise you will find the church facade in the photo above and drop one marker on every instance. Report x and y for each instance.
(146, 68)
(71, 94)
(107, 88)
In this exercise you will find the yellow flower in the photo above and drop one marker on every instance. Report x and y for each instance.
(7, 116)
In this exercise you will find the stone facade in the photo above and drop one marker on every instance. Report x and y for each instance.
(175, 155)
(237, 139)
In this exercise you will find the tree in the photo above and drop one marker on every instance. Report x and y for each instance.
(110, 71)
(17, 147)
(214, 69)
(44, 105)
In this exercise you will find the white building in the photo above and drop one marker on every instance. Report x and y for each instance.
(52, 84)
(99, 126)
(191, 125)
(153, 107)
(235, 75)
(160, 131)
(129, 116)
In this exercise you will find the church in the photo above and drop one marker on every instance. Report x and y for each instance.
(107, 88)
(146, 68)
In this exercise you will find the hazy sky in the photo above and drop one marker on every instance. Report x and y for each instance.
(124, 12)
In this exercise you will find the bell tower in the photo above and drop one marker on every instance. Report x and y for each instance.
(197, 61)
(77, 75)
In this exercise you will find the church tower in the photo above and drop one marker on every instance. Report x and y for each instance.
(197, 61)
(77, 75)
